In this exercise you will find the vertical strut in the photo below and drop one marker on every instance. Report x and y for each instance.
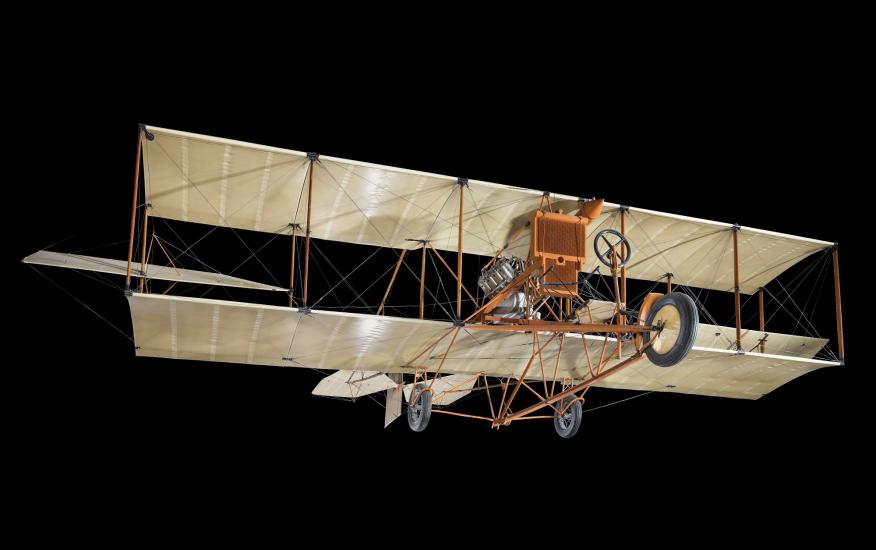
(839, 305)
(736, 287)
(623, 252)
(134, 206)
(292, 271)
(143, 252)
(307, 236)
(619, 308)
(423, 282)
(398, 264)
(762, 321)
(668, 283)
(462, 184)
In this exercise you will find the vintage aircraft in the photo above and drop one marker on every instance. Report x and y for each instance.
(537, 334)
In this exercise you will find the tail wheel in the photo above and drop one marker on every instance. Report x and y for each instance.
(420, 411)
(569, 421)
(678, 319)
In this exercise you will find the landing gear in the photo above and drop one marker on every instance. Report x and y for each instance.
(420, 408)
(569, 421)
(677, 316)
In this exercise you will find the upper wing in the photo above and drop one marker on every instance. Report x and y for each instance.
(699, 253)
(213, 330)
(223, 182)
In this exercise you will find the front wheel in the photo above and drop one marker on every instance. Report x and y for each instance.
(678, 320)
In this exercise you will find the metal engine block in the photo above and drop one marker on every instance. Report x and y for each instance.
(499, 274)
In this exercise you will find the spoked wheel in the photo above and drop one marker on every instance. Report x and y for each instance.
(567, 424)
(678, 319)
(421, 410)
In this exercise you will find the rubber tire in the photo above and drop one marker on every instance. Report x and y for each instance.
(576, 412)
(419, 423)
(689, 324)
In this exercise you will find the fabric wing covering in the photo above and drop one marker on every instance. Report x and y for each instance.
(160, 272)
(213, 330)
(222, 182)
(447, 389)
(352, 384)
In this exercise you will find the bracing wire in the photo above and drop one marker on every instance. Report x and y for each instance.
(83, 304)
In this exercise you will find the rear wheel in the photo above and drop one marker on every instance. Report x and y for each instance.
(569, 421)
(678, 319)
(420, 411)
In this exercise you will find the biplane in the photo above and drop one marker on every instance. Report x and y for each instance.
(548, 319)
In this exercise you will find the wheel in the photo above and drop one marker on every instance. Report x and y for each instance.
(420, 412)
(567, 424)
(679, 319)
(611, 239)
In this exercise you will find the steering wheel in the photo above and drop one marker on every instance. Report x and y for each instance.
(608, 240)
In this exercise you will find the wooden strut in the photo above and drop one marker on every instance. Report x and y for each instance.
(441, 259)
(166, 254)
(668, 283)
(423, 282)
(151, 242)
(589, 363)
(489, 397)
(619, 307)
(574, 389)
(458, 387)
(505, 385)
(454, 413)
(566, 327)
(307, 236)
(134, 207)
(736, 287)
(462, 186)
(169, 259)
(536, 351)
(624, 253)
(143, 252)
(557, 365)
(599, 363)
(429, 347)
(839, 305)
(443, 359)
(398, 265)
(540, 363)
(762, 323)
(549, 308)
(516, 235)
(540, 397)
(292, 272)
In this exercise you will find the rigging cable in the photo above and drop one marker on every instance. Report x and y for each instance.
(83, 304)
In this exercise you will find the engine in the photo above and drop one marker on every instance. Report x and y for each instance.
(502, 272)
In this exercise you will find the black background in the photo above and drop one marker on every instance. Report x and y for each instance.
(736, 137)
